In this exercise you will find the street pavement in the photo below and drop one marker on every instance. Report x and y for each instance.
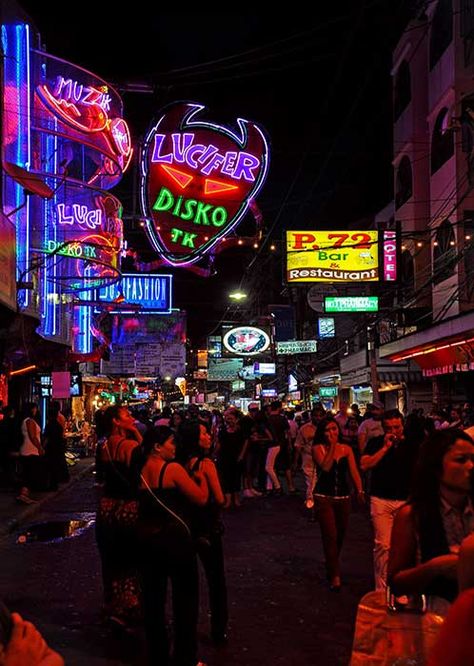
(281, 610)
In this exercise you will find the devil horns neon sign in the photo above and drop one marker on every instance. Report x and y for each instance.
(197, 179)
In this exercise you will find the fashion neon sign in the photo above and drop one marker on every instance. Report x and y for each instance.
(197, 180)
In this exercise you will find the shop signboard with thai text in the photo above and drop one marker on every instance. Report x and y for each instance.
(351, 303)
(297, 347)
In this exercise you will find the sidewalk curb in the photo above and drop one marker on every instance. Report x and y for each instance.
(12, 524)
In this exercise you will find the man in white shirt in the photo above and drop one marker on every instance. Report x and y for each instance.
(370, 427)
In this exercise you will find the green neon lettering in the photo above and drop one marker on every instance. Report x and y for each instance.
(177, 207)
(175, 235)
(188, 240)
(202, 211)
(219, 216)
(164, 200)
(189, 206)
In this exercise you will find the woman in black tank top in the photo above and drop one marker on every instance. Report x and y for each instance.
(166, 496)
(335, 463)
(207, 525)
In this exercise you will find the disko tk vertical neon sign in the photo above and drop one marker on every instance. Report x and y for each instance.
(197, 179)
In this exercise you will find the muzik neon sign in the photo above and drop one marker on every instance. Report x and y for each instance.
(88, 109)
(197, 179)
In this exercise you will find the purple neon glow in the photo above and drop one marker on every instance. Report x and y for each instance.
(235, 164)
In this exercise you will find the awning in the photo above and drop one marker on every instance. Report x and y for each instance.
(449, 344)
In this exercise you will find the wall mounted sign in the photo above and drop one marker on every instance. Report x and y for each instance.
(264, 368)
(297, 347)
(91, 109)
(328, 391)
(152, 292)
(389, 255)
(351, 303)
(326, 327)
(332, 256)
(197, 179)
(246, 341)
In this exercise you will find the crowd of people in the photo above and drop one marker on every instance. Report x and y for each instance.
(31, 459)
(167, 479)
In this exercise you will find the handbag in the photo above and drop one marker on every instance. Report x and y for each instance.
(387, 634)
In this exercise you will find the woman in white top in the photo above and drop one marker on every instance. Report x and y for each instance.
(30, 449)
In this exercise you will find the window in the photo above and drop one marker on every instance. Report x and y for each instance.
(441, 30)
(402, 91)
(442, 141)
(404, 184)
(444, 252)
(407, 274)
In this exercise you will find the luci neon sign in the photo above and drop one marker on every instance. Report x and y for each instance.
(78, 214)
(197, 179)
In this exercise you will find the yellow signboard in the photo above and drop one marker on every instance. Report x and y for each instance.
(332, 256)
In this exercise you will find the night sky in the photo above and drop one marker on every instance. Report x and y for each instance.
(319, 85)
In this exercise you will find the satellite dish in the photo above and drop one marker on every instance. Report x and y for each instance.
(30, 182)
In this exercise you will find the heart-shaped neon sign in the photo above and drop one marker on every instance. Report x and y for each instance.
(197, 179)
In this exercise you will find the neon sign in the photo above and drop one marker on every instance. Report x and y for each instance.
(83, 107)
(152, 292)
(197, 180)
(78, 214)
(389, 256)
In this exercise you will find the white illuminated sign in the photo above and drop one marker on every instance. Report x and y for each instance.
(246, 341)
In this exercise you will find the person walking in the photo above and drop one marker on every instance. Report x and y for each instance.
(391, 460)
(304, 444)
(335, 463)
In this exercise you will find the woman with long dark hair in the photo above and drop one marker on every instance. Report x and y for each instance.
(167, 550)
(335, 463)
(428, 531)
(55, 447)
(117, 515)
(30, 451)
(207, 523)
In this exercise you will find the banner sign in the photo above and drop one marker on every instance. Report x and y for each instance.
(197, 181)
(297, 347)
(153, 292)
(332, 256)
(351, 303)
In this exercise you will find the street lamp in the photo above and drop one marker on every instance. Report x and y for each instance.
(238, 295)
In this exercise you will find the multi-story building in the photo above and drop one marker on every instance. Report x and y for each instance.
(65, 144)
(433, 67)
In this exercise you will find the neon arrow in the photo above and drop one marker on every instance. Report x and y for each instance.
(183, 179)
(214, 186)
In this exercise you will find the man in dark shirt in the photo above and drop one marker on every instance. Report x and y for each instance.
(279, 429)
(390, 459)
